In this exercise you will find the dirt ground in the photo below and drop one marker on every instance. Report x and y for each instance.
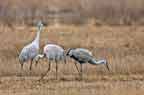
(122, 46)
(30, 86)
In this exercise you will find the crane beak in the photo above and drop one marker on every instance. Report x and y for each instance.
(107, 66)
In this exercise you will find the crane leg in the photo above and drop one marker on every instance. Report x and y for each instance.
(56, 69)
(21, 66)
(43, 75)
(81, 71)
(31, 62)
(36, 63)
(77, 67)
(65, 61)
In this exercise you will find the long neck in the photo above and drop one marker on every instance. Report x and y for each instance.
(38, 57)
(101, 62)
(97, 62)
(37, 36)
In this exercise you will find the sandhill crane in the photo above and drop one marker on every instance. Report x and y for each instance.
(52, 52)
(82, 56)
(30, 51)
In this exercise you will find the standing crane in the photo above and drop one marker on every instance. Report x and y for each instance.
(52, 52)
(30, 51)
(83, 56)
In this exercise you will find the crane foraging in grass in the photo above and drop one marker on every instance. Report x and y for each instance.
(51, 52)
(30, 51)
(83, 56)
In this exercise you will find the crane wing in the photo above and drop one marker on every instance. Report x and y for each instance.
(30, 51)
(82, 56)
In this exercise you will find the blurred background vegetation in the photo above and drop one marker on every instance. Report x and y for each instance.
(97, 12)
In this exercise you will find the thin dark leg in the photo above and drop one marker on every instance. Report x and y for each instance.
(65, 61)
(21, 66)
(43, 75)
(81, 71)
(21, 69)
(36, 63)
(31, 62)
(56, 68)
(77, 67)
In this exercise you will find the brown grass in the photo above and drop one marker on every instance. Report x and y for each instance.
(122, 46)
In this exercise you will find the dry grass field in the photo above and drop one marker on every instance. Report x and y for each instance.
(122, 46)
(112, 12)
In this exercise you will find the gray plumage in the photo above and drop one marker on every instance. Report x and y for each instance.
(83, 56)
(30, 51)
(53, 53)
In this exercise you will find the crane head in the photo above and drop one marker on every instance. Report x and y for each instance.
(38, 57)
(105, 62)
(40, 25)
(68, 53)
